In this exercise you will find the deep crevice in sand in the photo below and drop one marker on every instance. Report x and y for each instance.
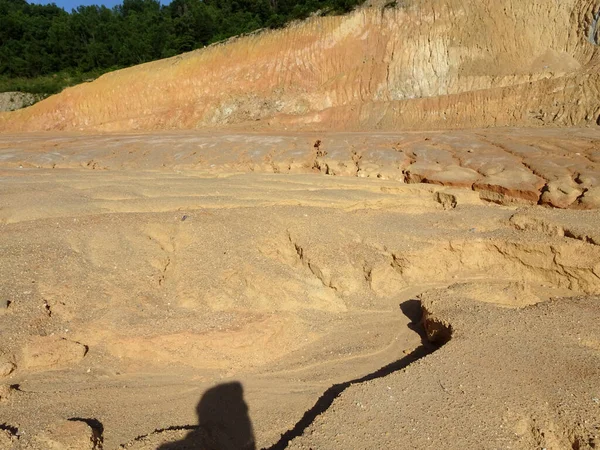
(96, 426)
(162, 430)
(412, 309)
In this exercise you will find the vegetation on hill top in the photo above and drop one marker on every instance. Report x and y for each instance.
(44, 48)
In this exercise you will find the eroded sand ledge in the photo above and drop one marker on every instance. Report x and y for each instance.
(553, 167)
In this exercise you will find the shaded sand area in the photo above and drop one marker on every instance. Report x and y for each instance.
(154, 282)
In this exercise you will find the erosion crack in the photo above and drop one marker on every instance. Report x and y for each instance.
(162, 430)
(310, 265)
(329, 396)
(96, 426)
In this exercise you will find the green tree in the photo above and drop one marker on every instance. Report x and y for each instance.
(39, 40)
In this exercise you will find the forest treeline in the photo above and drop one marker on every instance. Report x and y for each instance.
(57, 48)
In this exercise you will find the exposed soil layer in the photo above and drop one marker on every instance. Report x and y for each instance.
(411, 65)
(252, 288)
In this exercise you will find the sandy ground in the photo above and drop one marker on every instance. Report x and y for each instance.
(169, 307)
(262, 284)
(549, 166)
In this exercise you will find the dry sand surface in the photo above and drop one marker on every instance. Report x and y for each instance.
(163, 292)
(553, 167)
(248, 281)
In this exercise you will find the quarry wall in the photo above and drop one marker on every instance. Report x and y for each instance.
(421, 64)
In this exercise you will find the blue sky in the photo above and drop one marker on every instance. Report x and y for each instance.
(68, 5)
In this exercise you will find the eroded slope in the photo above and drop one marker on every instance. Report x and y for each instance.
(418, 65)
(519, 379)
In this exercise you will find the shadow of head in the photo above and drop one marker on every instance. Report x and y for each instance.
(223, 422)
(412, 310)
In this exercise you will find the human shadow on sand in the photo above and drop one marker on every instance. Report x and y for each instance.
(223, 422)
